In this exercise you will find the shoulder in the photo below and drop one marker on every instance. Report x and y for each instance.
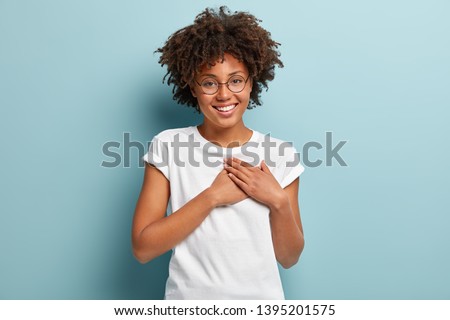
(277, 152)
(281, 157)
(169, 134)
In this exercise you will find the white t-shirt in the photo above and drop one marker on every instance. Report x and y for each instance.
(230, 255)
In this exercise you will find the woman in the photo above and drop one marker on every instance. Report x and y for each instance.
(233, 191)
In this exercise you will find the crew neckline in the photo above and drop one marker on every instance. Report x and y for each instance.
(204, 140)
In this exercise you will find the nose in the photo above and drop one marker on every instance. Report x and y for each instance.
(223, 93)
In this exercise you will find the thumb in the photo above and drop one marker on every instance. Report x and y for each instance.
(264, 167)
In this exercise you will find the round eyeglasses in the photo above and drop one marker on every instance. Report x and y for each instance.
(235, 84)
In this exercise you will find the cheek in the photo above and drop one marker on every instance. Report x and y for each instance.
(203, 101)
(246, 95)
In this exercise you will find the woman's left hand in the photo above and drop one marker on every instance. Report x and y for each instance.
(257, 182)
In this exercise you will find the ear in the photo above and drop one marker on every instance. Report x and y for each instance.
(193, 92)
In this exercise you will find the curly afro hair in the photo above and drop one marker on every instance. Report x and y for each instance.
(204, 43)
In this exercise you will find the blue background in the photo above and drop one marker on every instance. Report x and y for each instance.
(77, 74)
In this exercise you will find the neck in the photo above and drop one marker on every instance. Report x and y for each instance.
(226, 137)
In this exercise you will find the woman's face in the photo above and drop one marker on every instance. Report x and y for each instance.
(223, 109)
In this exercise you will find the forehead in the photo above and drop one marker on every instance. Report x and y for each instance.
(229, 65)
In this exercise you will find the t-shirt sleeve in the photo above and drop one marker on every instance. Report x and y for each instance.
(158, 156)
(289, 165)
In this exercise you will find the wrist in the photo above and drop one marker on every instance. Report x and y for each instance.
(210, 198)
(279, 202)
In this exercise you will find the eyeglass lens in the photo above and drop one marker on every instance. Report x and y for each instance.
(235, 84)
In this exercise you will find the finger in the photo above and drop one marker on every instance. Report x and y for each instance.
(238, 173)
(264, 167)
(245, 164)
(241, 162)
(233, 162)
(241, 184)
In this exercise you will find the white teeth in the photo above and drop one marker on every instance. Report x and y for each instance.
(227, 108)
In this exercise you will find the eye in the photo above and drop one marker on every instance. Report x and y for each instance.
(209, 83)
(236, 80)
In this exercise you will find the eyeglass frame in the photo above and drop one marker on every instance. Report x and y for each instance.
(224, 83)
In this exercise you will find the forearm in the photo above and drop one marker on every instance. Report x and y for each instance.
(287, 237)
(162, 235)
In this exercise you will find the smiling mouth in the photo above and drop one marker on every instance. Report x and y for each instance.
(225, 108)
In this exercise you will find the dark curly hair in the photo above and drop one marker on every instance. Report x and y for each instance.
(204, 43)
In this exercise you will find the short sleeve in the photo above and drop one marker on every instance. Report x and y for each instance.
(289, 164)
(158, 156)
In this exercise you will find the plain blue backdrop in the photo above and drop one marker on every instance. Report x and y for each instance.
(75, 75)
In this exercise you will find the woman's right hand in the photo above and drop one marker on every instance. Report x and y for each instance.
(225, 191)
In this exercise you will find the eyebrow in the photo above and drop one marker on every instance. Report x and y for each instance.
(215, 76)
